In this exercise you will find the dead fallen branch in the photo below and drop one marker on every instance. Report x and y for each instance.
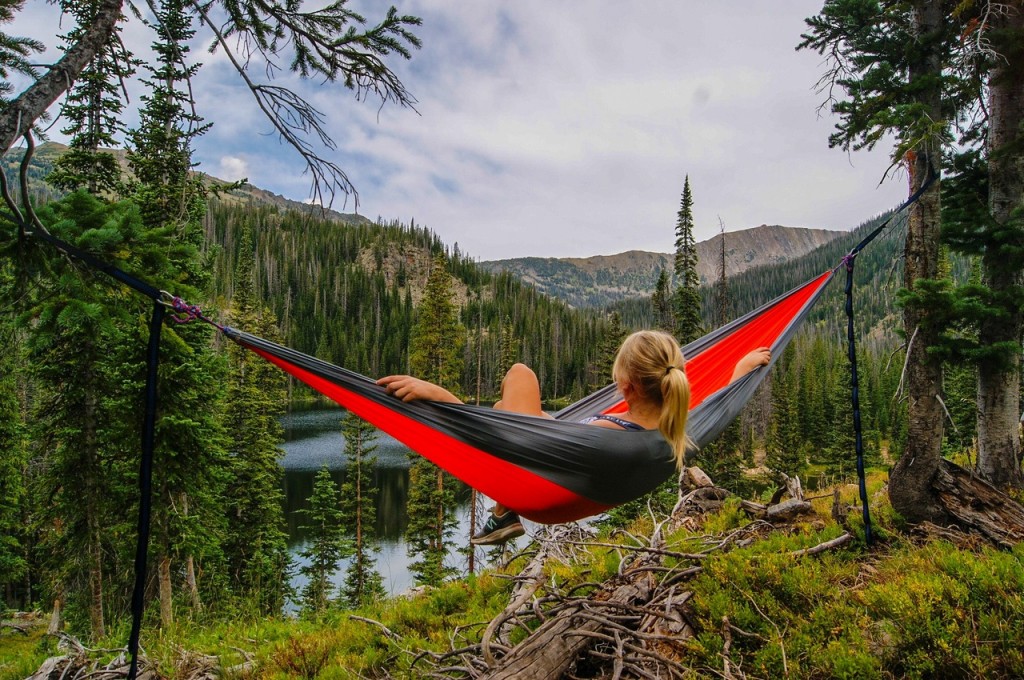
(23, 629)
(390, 634)
(80, 662)
(528, 583)
(836, 542)
(979, 507)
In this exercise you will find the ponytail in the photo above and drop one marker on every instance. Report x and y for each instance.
(653, 362)
(675, 410)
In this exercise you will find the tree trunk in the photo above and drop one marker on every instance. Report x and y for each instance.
(56, 624)
(190, 567)
(166, 601)
(999, 383)
(95, 578)
(440, 510)
(910, 485)
(18, 116)
(92, 517)
(193, 587)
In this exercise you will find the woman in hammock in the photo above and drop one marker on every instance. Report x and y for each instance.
(649, 371)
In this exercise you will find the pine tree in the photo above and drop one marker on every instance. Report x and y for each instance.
(255, 542)
(838, 453)
(13, 468)
(363, 583)
(785, 451)
(77, 335)
(327, 543)
(891, 61)
(437, 337)
(189, 448)
(609, 347)
(999, 379)
(723, 303)
(686, 298)
(509, 353)
(661, 302)
(436, 355)
(431, 510)
(160, 148)
(722, 459)
(93, 112)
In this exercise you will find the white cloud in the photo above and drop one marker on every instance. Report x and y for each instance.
(232, 168)
(567, 128)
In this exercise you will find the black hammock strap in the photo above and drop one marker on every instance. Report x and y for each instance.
(156, 323)
(851, 350)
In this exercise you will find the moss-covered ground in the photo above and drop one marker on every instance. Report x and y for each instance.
(903, 607)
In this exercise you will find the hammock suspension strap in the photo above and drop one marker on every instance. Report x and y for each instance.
(848, 261)
(183, 312)
(858, 441)
(145, 485)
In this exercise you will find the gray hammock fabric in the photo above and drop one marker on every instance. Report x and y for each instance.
(557, 470)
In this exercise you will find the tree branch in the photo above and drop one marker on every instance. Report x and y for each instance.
(290, 114)
(19, 116)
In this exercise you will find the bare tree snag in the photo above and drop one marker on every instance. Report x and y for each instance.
(56, 622)
(778, 510)
(977, 506)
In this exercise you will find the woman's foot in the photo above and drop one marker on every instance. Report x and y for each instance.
(499, 529)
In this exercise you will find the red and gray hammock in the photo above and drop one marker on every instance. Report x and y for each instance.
(560, 470)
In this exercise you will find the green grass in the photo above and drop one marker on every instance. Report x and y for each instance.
(21, 654)
(897, 609)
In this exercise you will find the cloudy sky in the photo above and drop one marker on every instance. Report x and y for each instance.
(567, 128)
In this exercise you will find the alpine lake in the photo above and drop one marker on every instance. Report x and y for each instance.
(313, 440)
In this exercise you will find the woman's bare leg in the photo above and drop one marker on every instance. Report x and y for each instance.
(520, 393)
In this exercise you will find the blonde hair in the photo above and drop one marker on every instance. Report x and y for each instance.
(653, 363)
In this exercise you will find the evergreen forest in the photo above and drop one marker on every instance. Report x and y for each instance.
(860, 518)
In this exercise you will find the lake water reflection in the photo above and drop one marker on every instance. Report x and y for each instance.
(313, 440)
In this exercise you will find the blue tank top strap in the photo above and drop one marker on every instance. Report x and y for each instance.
(624, 424)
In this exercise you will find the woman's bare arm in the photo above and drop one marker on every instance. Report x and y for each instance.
(408, 388)
(759, 357)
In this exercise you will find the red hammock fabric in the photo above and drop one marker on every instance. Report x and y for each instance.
(557, 470)
(711, 368)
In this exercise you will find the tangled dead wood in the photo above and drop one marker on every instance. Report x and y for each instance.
(79, 662)
(635, 625)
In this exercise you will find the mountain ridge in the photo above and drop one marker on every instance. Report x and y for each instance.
(599, 280)
(583, 282)
(46, 154)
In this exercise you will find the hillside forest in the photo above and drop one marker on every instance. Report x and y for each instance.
(92, 368)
